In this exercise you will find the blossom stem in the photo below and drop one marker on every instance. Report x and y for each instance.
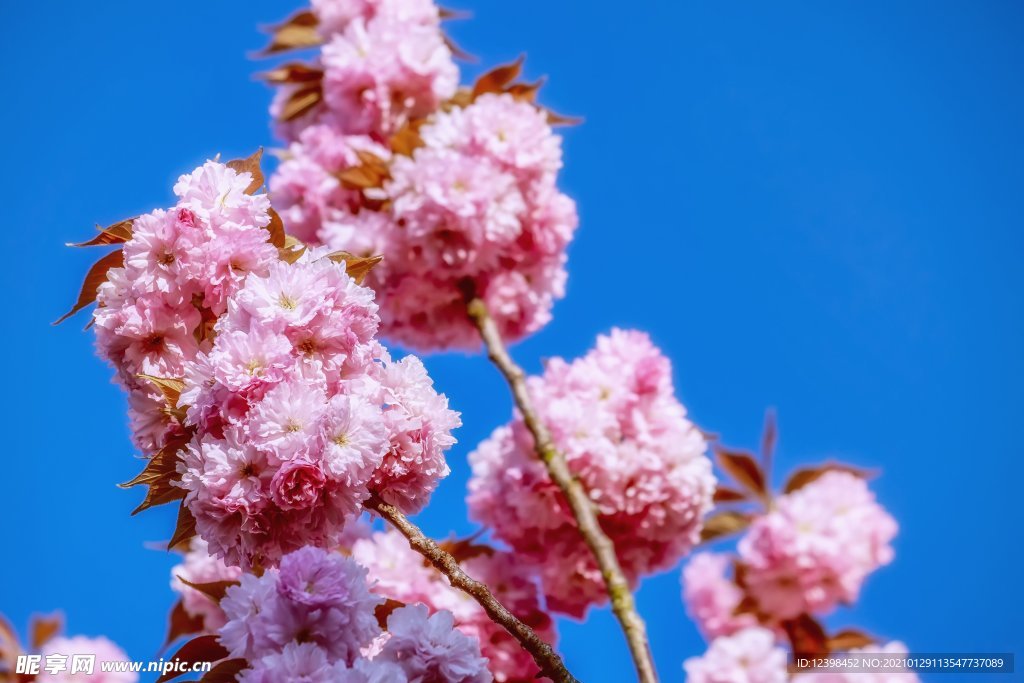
(550, 663)
(582, 507)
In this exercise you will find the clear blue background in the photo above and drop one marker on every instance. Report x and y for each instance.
(815, 206)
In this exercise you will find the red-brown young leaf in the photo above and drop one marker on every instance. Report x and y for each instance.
(10, 647)
(301, 101)
(384, 610)
(291, 251)
(457, 52)
(806, 636)
(118, 233)
(358, 267)
(96, 276)
(449, 14)
(250, 165)
(556, 119)
(463, 549)
(527, 92)
(214, 590)
(849, 639)
(723, 523)
(294, 72)
(463, 97)
(201, 649)
(804, 476)
(373, 161)
(184, 530)
(747, 605)
(297, 32)
(276, 228)
(407, 139)
(744, 469)
(739, 574)
(498, 78)
(724, 494)
(45, 627)
(170, 388)
(160, 474)
(770, 436)
(224, 672)
(181, 623)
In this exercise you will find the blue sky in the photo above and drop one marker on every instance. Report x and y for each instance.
(812, 206)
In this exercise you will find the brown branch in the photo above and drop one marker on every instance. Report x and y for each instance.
(579, 502)
(551, 665)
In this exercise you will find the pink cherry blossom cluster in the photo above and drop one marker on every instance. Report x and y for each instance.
(814, 549)
(301, 415)
(614, 415)
(383, 63)
(314, 619)
(751, 655)
(180, 267)
(296, 412)
(398, 573)
(712, 598)
(199, 567)
(809, 553)
(474, 208)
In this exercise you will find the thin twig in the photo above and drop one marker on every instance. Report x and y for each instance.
(582, 507)
(551, 665)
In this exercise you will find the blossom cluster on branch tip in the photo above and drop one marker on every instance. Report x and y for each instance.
(802, 553)
(752, 655)
(457, 189)
(811, 552)
(315, 618)
(625, 436)
(286, 412)
(398, 573)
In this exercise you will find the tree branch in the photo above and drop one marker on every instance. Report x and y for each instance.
(551, 665)
(582, 507)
